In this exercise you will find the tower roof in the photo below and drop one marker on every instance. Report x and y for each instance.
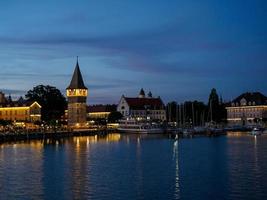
(149, 94)
(142, 92)
(77, 79)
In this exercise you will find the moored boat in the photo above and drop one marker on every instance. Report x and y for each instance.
(256, 131)
(135, 126)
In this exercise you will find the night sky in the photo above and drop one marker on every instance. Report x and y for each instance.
(178, 49)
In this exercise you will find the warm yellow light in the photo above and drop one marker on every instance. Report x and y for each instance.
(77, 92)
(15, 108)
(36, 103)
(235, 107)
(20, 107)
(99, 113)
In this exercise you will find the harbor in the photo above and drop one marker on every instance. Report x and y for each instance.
(133, 100)
(141, 129)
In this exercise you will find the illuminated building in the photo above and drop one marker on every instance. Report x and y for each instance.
(100, 111)
(142, 107)
(21, 110)
(247, 109)
(77, 94)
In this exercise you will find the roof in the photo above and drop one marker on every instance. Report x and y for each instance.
(77, 79)
(18, 103)
(256, 97)
(101, 108)
(142, 92)
(144, 103)
(149, 94)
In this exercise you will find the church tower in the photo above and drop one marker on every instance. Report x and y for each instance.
(77, 94)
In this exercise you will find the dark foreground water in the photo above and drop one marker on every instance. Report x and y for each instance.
(135, 167)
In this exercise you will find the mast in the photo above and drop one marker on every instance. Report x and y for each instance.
(180, 116)
(193, 114)
(211, 110)
(176, 114)
(184, 116)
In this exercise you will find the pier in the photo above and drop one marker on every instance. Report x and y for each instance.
(13, 137)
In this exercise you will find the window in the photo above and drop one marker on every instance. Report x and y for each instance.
(243, 102)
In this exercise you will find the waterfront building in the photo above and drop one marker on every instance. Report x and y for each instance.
(247, 109)
(20, 110)
(77, 94)
(142, 107)
(100, 111)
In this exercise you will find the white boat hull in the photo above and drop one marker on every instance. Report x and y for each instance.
(255, 133)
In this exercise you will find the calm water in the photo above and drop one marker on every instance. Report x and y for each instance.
(135, 167)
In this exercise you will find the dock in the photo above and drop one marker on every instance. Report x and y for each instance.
(13, 137)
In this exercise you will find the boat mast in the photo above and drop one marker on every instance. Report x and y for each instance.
(211, 110)
(176, 114)
(193, 114)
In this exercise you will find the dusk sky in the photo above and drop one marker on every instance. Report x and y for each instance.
(178, 49)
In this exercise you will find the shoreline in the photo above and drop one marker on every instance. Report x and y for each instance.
(13, 137)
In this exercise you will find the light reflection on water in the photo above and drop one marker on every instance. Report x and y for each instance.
(135, 167)
(176, 159)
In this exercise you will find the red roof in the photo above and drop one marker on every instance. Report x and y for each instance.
(145, 103)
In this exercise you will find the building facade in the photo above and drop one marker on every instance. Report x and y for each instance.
(247, 109)
(142, 107)
(77, 94)
(100, 111)
(19, 111)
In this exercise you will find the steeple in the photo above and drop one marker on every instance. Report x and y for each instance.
(149, 94)
(9, 100)
(77, 79)
(142, 93)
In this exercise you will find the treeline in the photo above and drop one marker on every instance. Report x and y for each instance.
(196, 113)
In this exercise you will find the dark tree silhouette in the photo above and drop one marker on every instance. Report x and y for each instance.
(50, 98)
(114, 116)
(217, 111)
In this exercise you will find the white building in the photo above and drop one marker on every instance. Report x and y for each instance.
(247, 109)
(142, 107)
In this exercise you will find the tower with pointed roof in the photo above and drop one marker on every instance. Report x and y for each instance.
(77, 94)
(142, 93)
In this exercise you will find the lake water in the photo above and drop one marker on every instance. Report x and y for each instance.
(135, 167)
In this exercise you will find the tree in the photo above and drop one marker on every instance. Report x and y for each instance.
(217, 111)
(50, 98)
(114, 116)
(5, 122)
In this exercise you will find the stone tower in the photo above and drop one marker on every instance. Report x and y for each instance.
(77, 94)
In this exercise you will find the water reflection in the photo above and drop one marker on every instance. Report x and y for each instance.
(17, 170)
(135, 167)
(176, 159)
(246, 166)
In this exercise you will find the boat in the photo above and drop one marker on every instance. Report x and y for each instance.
(188, 132)
(256, 131)
(139, 126)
